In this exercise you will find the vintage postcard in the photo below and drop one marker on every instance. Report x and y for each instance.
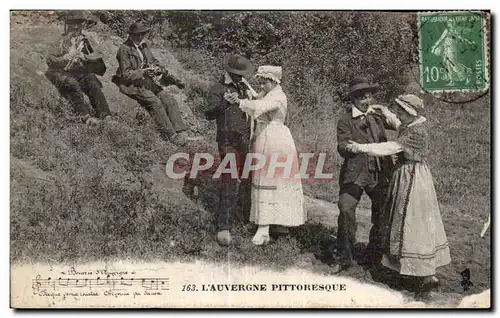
(250, 159)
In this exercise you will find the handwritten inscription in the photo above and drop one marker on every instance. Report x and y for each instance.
(71, 286)
(74, 272)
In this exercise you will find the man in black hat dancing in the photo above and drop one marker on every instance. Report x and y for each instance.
(233, 138)
(73, 64)
(359, 173)
(135, 78)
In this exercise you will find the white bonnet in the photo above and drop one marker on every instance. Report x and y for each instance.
(271, 72)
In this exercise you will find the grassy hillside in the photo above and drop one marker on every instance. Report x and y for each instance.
(84, 194)
(81, 194)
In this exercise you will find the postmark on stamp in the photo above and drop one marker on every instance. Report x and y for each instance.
(453, 51)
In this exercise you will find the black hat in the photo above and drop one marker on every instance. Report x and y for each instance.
(238, 64)
(79, 16)
(361, 85)
(137, 27)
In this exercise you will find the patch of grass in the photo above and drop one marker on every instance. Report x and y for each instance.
(314, 236)
(100, 202)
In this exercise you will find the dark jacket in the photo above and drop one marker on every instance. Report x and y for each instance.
(349, 128)
(129, 75)
(58, 57)
(229, 118)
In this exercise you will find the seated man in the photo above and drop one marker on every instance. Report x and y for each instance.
(73, 63)
(134, 77)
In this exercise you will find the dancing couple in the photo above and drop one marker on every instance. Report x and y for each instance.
(253, 122)
(407, 235)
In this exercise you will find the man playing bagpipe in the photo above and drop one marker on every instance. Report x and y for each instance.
(73, 64)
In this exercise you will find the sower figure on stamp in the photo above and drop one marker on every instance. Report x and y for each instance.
(73, 64)
(361, 172)
(233, 139)
(135, 78)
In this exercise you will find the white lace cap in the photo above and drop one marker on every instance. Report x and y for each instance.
(271, 72)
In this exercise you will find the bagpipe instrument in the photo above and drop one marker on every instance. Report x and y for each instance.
(93, 62)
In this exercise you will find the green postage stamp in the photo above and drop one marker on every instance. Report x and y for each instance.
(453, 51)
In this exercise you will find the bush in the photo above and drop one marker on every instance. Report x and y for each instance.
(321, 52)
(324, 49)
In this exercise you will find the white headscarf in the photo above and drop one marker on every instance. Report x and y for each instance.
(271, 72)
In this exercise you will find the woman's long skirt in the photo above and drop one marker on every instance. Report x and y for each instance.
(416, 242)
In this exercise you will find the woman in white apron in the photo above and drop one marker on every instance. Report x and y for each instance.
(277, 197)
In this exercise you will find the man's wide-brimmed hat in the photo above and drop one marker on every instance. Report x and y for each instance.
(136, 28)
(412, 104)
(271, 72)
(360, 86)
(79, 16)
(238, 64)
